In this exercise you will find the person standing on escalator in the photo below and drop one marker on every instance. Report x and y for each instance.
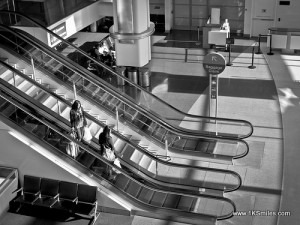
(107, 150)
(77, 119)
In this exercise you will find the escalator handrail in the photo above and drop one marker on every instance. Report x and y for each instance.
(136, 146)
(10, 99)
(124, 78)
(65, 61)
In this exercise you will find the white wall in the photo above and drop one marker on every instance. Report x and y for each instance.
(289, 15)
(157, 7)
(248, 17)
(263, 16)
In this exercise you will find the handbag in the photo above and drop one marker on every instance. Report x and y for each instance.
(118, 164)
(108, 153)
(72, 148)
(87, 136)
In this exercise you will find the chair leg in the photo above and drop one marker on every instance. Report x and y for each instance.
(96, 215)
(18, 209)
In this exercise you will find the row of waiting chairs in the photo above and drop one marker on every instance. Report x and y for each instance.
(79, 199)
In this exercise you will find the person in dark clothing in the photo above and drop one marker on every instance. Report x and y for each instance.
(77, 119)
(107, 150)
(105, 140)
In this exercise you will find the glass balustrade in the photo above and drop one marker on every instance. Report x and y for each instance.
(199, 125)
(36, 120)
(164, 172)
(141, 119)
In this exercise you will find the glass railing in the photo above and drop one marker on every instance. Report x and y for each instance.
(200, 125)
(150, 166)
(7, 176)
(88, 85)
(40, 124)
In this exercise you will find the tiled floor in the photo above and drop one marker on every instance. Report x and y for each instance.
(243, 94)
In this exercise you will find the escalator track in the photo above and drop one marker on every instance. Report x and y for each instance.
(144, 121)
(35, 119)
(156, 125)
(127, 150)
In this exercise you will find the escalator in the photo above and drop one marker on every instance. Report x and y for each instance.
(142, 163)
(37, 122)
(150, 123)
(155, 118)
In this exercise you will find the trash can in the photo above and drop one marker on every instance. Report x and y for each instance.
(121, 70)
(144, 77)
(132, 74)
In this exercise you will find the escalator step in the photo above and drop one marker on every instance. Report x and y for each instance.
(211, 147)
(190, 145)
(159, 133)
(122, 182)
(136, 156)
(127, 152)
(145, 161)
(186, 203)
(172, 201)
(158, 199)
(86, 159)
(2, 102)
(133, 189)
(146, 195)
(179, 144)
(8, 109)
(202, 146)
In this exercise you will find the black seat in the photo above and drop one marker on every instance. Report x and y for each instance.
(29, 191)
(48, 193)
(67, 197)
(87, 201)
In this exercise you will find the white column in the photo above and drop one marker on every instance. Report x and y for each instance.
(131, 32)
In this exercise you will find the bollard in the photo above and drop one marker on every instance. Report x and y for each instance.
(229, 53)
(252, 66)
(258, 50)
(270, 52)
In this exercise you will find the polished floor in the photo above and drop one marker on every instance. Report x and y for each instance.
(267, 96)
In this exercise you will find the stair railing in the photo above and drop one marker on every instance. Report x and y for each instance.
(33, 68)
(117, 118)
(74, 90)
(150, 153)
(137, 87)
(6, 95)
(58, 107)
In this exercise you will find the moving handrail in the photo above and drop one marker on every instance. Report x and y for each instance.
(166, 107)
(92, 79)
(160, 159)
(13, 101)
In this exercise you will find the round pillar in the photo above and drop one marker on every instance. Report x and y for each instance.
(131, 31)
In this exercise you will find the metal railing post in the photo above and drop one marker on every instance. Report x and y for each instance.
(58, 107)
(166, 147)
(198, 36)
(33, 68)
(258, 50)
(252, 66)
(74, 90)
(270, 52)
(14, 77)
(229, 55)
(117, 118)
